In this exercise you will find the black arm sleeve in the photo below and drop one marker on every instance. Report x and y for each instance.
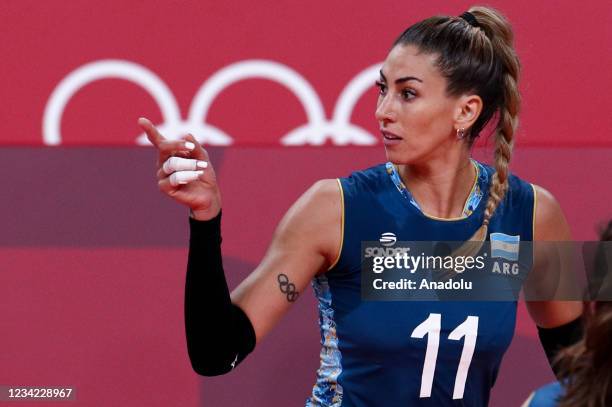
(219, 334)
(555, 339)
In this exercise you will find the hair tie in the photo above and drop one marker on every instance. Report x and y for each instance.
(469, 17)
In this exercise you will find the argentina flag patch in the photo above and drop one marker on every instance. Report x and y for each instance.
(505, 246)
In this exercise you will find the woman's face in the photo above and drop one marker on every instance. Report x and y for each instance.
(413, 106)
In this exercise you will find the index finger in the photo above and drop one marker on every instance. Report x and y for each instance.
(153, 134)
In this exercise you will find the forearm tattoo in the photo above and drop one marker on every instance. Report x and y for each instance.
(287, 288)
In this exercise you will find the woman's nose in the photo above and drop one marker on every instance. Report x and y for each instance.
(384, 110)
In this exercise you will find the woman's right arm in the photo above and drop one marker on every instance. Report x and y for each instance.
(222, 329)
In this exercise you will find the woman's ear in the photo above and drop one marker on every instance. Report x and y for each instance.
(467, 111)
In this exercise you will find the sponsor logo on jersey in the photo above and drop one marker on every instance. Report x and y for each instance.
(388, 239)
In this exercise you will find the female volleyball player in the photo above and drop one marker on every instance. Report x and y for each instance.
(585, 368)
(443, 80)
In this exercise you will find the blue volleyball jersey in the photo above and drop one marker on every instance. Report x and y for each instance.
(374, 352)
(547, 396)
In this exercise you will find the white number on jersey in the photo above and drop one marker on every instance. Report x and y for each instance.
(468, 329)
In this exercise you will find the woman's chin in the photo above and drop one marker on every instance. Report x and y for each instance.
(397, 156)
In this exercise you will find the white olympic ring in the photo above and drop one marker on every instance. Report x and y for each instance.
(315, 132)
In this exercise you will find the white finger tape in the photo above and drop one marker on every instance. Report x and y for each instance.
(182, 164)
(184, 177)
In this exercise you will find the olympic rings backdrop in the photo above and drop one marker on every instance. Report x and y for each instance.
(281, 94)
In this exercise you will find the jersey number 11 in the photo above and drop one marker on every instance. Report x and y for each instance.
(468, 329)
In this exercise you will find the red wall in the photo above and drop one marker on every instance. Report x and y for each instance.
(93, 257)
(184, 43)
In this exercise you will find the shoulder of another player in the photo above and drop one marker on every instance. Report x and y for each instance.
(550, 222)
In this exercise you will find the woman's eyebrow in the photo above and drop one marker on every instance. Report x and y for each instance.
(403, 79)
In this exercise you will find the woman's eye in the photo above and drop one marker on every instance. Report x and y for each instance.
(408, 94)
(381, 87)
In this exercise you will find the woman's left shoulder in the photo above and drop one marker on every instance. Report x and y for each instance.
(550, 222)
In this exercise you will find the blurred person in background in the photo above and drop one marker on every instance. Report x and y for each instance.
(585, 368)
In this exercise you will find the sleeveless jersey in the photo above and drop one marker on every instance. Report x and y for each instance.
(374, 352)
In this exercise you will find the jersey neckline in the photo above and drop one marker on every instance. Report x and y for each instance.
(472, 203)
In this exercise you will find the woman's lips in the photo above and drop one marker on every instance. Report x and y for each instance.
(390, 139)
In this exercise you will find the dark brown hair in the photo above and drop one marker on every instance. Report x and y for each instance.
(481, 60)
